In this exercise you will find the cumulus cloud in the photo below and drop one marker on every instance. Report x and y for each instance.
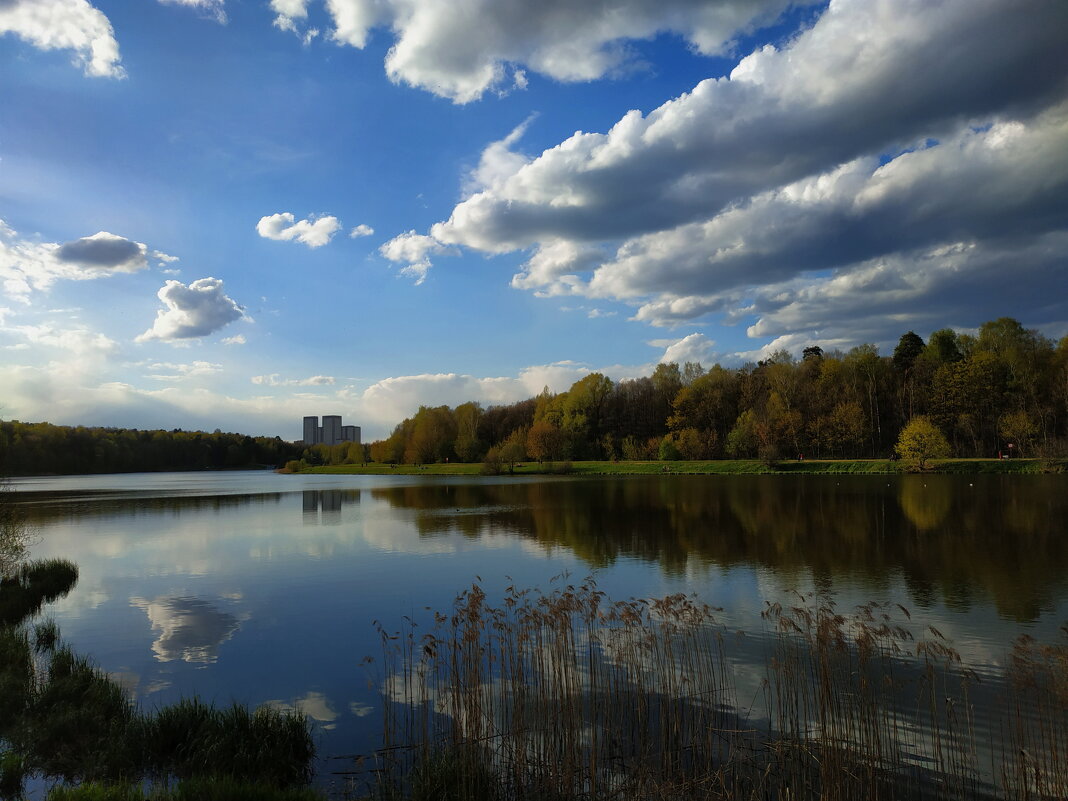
(209, 8)
(555, 266)
(885, 130)
(415, 249)
(361, 230)
(106, 251)
(692, 348)
(313, 231)
(27, 265)
(387, 401)
(237, 339)
(74, 25)
(920, 290)
(196, 310)
(1007, 181)
(462, 49)
(274, 380)
(866, 76)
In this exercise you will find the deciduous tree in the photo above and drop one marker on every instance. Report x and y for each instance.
(921, 440)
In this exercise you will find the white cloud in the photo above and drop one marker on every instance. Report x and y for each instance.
(692, 348)
(83, 391)
(415, 249)
(178, 372)
(313, 231)
(78, 342)
(237, 339)
(464, 48)
(196, 310)
(210, 8)
(876, 300)
(870, 73)
(74, 25)
(361, 230)
(27, 265)
(274, 380)
(988, 185)
(388, 401)
(162, 258)
(779, 170)
(417, 271)
(554, 268)
(410, 247)
(289, 14)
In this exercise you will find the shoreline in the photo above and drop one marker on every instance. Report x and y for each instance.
(720, 467)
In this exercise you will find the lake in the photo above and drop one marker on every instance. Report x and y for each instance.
(259, 587)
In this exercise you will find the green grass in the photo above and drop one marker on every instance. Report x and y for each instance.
(721, 467)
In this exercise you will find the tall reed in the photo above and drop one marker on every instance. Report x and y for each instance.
(569, 695)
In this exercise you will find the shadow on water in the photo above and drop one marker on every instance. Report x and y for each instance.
(949, 537)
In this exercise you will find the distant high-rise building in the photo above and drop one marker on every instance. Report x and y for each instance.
(311, 430)
(331, 429)
(331, 432)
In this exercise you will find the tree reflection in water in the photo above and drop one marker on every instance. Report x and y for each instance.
(949, 537)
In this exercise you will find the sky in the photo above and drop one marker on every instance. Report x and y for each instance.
(234, 213)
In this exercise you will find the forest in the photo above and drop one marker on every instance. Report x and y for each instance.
(1002, 390)
(41, 448)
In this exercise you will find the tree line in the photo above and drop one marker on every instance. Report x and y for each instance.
(39, 448)
(1004, 389)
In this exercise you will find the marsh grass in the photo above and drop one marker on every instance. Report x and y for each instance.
(66, 719)
(63, 718)
(28, 587)
(568, 695)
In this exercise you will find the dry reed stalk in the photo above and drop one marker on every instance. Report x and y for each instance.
(567, 695)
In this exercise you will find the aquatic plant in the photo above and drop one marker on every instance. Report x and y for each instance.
(191, 739)
(61, 717)
(28, 587)
(567, 695)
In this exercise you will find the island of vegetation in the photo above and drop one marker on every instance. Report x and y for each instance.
(993, 402)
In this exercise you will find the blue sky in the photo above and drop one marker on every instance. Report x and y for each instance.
(231, 214)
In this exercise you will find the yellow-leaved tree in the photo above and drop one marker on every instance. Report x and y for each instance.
(922, 440)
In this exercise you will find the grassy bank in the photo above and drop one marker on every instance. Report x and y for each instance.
(723, 467)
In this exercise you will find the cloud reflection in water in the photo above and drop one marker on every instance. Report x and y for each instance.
(190, 629)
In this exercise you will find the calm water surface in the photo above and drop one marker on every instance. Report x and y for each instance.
(264, 588)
